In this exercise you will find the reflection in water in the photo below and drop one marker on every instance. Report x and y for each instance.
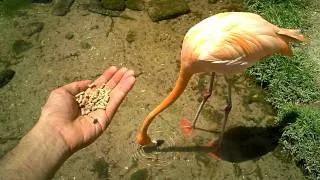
(101, 167)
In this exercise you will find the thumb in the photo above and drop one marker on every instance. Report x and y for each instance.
(76, 87)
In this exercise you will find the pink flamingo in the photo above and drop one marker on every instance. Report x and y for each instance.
(225, 43)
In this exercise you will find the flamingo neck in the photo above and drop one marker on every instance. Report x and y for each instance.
(180, 86)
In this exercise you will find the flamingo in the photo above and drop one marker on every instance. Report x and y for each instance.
(225, 43)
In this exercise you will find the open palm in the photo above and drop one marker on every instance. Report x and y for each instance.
(62, 112)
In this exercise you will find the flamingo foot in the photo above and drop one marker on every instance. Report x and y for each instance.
(215, 153)
(186, 127)
(206, 94)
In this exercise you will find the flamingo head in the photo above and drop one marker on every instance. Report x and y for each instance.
(143, 139)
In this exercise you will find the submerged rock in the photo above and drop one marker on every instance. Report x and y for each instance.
(116, 5)
(69, 35)
(95, 6)
(61, 7)
(33, 28)
(135, 4)
(131, 36)
(20, 46)
(212, 1)
(5, 76)
(140, 174)
(165, 9)
(41, 1)
(85, 45)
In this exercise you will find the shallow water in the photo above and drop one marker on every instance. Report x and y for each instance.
(250, 147)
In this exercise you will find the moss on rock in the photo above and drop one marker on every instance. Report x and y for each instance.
(20, 46)
(135, 4)
(10, 7)
(212, 1)
(116, 5)
(5, 76)
(165, 9)
(61, 7)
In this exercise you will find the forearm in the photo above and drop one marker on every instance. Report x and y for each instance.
(38, 155)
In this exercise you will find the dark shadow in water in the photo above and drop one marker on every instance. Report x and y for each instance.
(101, 167)
(239, 144)
(214, 131)
(244, 143)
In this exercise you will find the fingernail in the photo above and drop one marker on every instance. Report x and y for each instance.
(113, 68)
(124, 69)
(132, 79)
(129, 73)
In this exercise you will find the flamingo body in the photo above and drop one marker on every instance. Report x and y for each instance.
(225, 43)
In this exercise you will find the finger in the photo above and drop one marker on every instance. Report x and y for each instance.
(128, 73)
(76, 87)
(104, 116)
(118, 94)
(116, 78)
(125, 85)
(106, 76)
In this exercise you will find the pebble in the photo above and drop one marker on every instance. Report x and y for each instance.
(69, 35)
(20, 46)
(85, 45)
(33, 28)
(5, 76)
(61, 7)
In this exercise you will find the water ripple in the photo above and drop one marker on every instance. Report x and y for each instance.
(153, 156)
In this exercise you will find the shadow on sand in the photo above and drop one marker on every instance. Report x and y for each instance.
(239, 144)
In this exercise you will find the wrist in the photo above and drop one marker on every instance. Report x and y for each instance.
(38, 155)
(50, 139)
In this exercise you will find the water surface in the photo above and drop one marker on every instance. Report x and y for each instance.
(250, 148)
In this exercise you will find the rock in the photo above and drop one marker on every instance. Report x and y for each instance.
(33, 28)
(5, 76)
(139, 174)
(116, 5)
(61, 7)
(94, 27)
(212, 1)
(95, 6)
(131, 36)
(165, 9)
(20, 46)
(85, 13)
(135, 4)
(247, 167)
(108, 25)
(41, 1)
(235, 7)
(69, 35)
(85, 45)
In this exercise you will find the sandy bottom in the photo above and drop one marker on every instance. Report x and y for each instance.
(152, 49)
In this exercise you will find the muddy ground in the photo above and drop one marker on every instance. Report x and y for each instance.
(152, 49)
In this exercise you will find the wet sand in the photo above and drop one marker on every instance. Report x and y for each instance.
(152, 49)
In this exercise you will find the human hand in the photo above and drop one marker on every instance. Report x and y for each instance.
(62, 113)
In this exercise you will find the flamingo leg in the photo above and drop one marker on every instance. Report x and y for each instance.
(204, 100)
(227, 110)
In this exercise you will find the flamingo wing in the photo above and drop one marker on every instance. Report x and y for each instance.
(238, 39)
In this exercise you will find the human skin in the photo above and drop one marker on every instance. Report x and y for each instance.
(61, 129)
